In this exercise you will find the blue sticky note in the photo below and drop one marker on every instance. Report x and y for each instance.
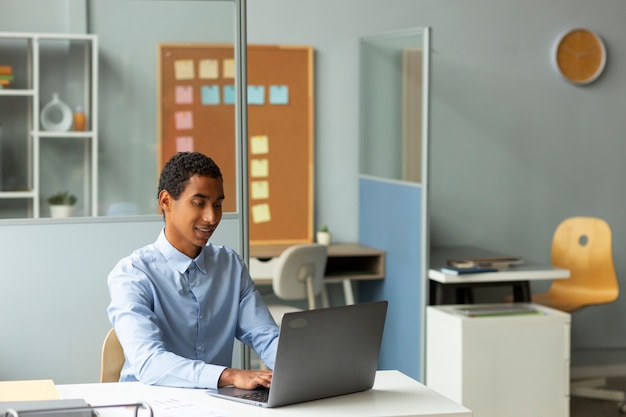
(210, 94)
(229, 94)
(279, 94)
(256, 94)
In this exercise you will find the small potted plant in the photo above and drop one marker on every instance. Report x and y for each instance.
(323, 235)
(62, 204)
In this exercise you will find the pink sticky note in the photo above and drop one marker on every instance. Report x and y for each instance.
(184, 120)
(184, 144)
(184, 94)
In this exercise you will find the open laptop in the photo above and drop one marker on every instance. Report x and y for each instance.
(321, 353)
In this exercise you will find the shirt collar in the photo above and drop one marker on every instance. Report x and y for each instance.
(176, 258)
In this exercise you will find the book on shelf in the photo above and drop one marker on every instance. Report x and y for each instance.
(477, 269)
(492, 262)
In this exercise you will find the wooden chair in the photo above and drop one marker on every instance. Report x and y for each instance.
(584, 246)
(112, 358)
(298, 275)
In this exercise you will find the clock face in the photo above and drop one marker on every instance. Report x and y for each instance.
(580, 56)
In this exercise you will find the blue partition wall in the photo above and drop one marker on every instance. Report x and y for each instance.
(390, 218)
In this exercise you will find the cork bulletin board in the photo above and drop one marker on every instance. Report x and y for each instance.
(196, 94)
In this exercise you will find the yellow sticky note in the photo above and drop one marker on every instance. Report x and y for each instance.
(31, 390)
(260, 190)
(183, 69)
(261, 213)
(259, 145)
(208, 69)
(259, 168)
(228, 68)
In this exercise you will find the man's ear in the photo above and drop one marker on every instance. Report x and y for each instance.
(165, 200)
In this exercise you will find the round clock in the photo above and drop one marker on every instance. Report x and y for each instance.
(580, 56)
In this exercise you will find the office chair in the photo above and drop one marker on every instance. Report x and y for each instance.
(112, 358)
(298, 275)
(584, 246)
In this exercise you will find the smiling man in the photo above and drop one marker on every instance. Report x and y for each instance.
(178, 304)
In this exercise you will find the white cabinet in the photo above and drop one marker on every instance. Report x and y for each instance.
(34, 162)
(508, 365)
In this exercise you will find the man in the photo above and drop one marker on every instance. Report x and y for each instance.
(178, 304)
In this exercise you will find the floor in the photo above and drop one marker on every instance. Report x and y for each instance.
(584, 407)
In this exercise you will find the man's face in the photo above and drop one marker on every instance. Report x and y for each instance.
(191, 220)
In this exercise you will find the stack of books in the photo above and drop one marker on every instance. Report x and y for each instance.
(6, 76)
(480, 265)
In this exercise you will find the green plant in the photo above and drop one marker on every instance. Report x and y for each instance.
(324, 228)
(62, 199)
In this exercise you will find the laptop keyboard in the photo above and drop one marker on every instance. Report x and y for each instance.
(260, 396)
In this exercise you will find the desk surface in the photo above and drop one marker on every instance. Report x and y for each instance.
(525, 272)
(394, 394)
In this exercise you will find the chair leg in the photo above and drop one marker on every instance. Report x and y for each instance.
(594, 388)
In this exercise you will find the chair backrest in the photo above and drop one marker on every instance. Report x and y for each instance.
(112, 358)
(299, 272)
(584, 246)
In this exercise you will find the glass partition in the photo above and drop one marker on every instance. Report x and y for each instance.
(394, 83)
(112, 166)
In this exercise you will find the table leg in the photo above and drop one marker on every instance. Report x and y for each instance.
(521, 292)
(347, 291)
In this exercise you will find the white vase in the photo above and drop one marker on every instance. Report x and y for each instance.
(324, 238)
(59, 211)
(56, 116)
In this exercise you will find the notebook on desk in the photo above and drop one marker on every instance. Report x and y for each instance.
(321, 353)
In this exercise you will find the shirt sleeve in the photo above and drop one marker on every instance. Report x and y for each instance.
(256, 327)
(135, 323)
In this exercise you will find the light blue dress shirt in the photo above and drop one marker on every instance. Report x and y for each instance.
(177, 317)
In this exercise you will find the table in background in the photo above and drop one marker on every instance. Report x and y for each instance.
(457, 289)
(346, 262)
(393, 394)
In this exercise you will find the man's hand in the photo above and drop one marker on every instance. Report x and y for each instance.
(245, 379)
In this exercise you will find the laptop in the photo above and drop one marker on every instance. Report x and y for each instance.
(321, 353)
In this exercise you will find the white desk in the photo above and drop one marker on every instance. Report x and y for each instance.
(394, 394)
(456, 289)
(347, 263)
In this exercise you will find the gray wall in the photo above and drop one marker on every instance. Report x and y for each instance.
(515, 149)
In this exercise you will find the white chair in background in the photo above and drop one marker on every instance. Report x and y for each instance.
(298, 275)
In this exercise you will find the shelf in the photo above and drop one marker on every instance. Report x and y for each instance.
(44, 65)
(16, 92)
(17, 194)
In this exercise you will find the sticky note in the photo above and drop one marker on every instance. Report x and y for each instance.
(184, 144)
(259, 168)
(228, 68)
(184, 120)
(279, 94)
(210, 94)
(260, 190)
(261, 213)
(28, 390)
(229, 94)
(256, 94)
(259, 145)
(183, 69)
(184, 94)
(208, 69)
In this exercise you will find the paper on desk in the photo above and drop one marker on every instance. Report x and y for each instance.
(174, 407)
(30, 390)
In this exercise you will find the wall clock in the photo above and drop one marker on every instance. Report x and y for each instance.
(580, 56)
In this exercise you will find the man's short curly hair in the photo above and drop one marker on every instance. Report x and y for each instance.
(181, 167)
